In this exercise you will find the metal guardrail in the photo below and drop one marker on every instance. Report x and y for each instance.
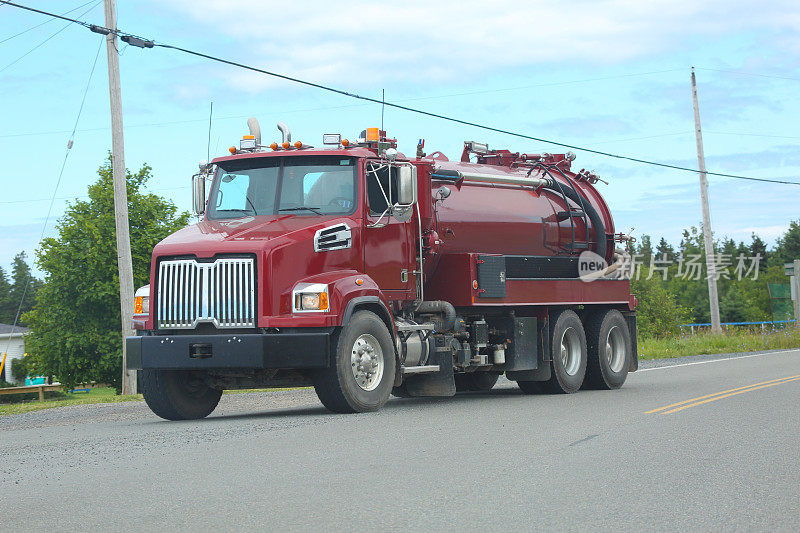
(725, 324)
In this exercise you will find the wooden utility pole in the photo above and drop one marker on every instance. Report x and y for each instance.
(124, 262)
(795, 279)
(713, 297)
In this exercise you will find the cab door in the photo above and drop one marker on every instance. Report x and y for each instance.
(388, 243)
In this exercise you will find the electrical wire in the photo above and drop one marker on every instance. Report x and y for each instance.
(64, 27)
(464, 122)
(55, 190)
(147, 43)
(45, 22)
(740, 73)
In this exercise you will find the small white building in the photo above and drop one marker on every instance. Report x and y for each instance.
(14, 343)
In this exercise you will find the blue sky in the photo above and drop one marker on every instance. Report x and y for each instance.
(612, 76)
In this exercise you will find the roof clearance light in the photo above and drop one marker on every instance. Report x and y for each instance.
(373, 134)
(332, 138)
(345, 143)
(286, 145)
(274, 146)
(232, 149)
(248, 142)
(298, 144)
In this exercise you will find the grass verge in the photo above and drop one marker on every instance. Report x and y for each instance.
(61, 399)
(733, 341)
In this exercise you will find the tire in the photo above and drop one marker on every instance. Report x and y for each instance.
(476, 381)
(609, 348)
(178, 394)
(362, 343)
(568, 354)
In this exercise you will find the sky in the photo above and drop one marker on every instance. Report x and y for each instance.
(606, 75)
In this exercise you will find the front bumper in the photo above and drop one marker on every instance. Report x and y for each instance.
(195, 352)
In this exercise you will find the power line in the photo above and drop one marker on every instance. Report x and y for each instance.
(140, 42)
(740, 73)
(64, 27)
(45, 22)
(55, 189)
(463, 122)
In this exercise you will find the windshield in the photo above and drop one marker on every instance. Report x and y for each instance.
(304, 186)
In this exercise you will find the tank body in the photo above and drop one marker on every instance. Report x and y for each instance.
(494, 218)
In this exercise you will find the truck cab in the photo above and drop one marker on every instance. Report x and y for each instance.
(308, 266)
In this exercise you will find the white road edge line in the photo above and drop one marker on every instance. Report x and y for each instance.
(734, 358)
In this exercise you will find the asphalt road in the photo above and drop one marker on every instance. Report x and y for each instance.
(495, 461)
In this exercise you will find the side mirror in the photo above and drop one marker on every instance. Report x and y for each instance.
(407, 185)
(199, 194)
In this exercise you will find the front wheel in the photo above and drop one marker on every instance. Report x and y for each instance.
(178, 394)
(362, 375)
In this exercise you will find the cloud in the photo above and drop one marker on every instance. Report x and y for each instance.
(369, 43)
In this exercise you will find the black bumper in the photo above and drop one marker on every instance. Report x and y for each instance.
(279, 350)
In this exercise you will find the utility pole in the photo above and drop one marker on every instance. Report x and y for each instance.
(124, 262)
(711, 269)
(795, 279)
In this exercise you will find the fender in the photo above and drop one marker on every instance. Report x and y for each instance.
(347, 291)
(373, 301)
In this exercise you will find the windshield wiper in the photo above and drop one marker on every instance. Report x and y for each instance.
(302, 208)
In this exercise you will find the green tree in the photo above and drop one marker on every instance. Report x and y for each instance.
(665, 248)
(658, 313)
(76, 321)
(22, 284)
(788, 248)
(5, 297)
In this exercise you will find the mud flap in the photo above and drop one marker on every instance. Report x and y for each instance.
(543, 358)
(634, 364)
(441, 383)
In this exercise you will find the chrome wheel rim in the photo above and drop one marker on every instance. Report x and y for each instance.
(615, 349)
(366, 362)
(570, 351)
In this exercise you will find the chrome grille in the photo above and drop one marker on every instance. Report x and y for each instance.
(221, 292)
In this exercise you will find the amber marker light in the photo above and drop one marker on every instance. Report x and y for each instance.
(274, 146)
(359, 281)
(232, 149)
(298, 144)
(345, 143)
(286, 145)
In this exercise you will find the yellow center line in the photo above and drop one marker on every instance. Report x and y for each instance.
(726, 395)
(743, 389)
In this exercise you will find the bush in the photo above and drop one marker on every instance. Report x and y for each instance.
(19, 369)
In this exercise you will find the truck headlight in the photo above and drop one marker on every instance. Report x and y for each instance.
(141, 301)
(310, 297)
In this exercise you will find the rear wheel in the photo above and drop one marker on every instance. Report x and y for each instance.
(568, 354)
(178, 394)
(362, 376)
(609, 344)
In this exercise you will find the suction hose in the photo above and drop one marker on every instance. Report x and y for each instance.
(591, 212)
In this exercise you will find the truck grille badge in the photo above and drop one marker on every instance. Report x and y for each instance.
(221, 292)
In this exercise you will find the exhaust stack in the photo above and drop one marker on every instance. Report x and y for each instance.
(255, 130)
(284, 129)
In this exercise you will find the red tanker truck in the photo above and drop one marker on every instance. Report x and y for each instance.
(364, 272)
